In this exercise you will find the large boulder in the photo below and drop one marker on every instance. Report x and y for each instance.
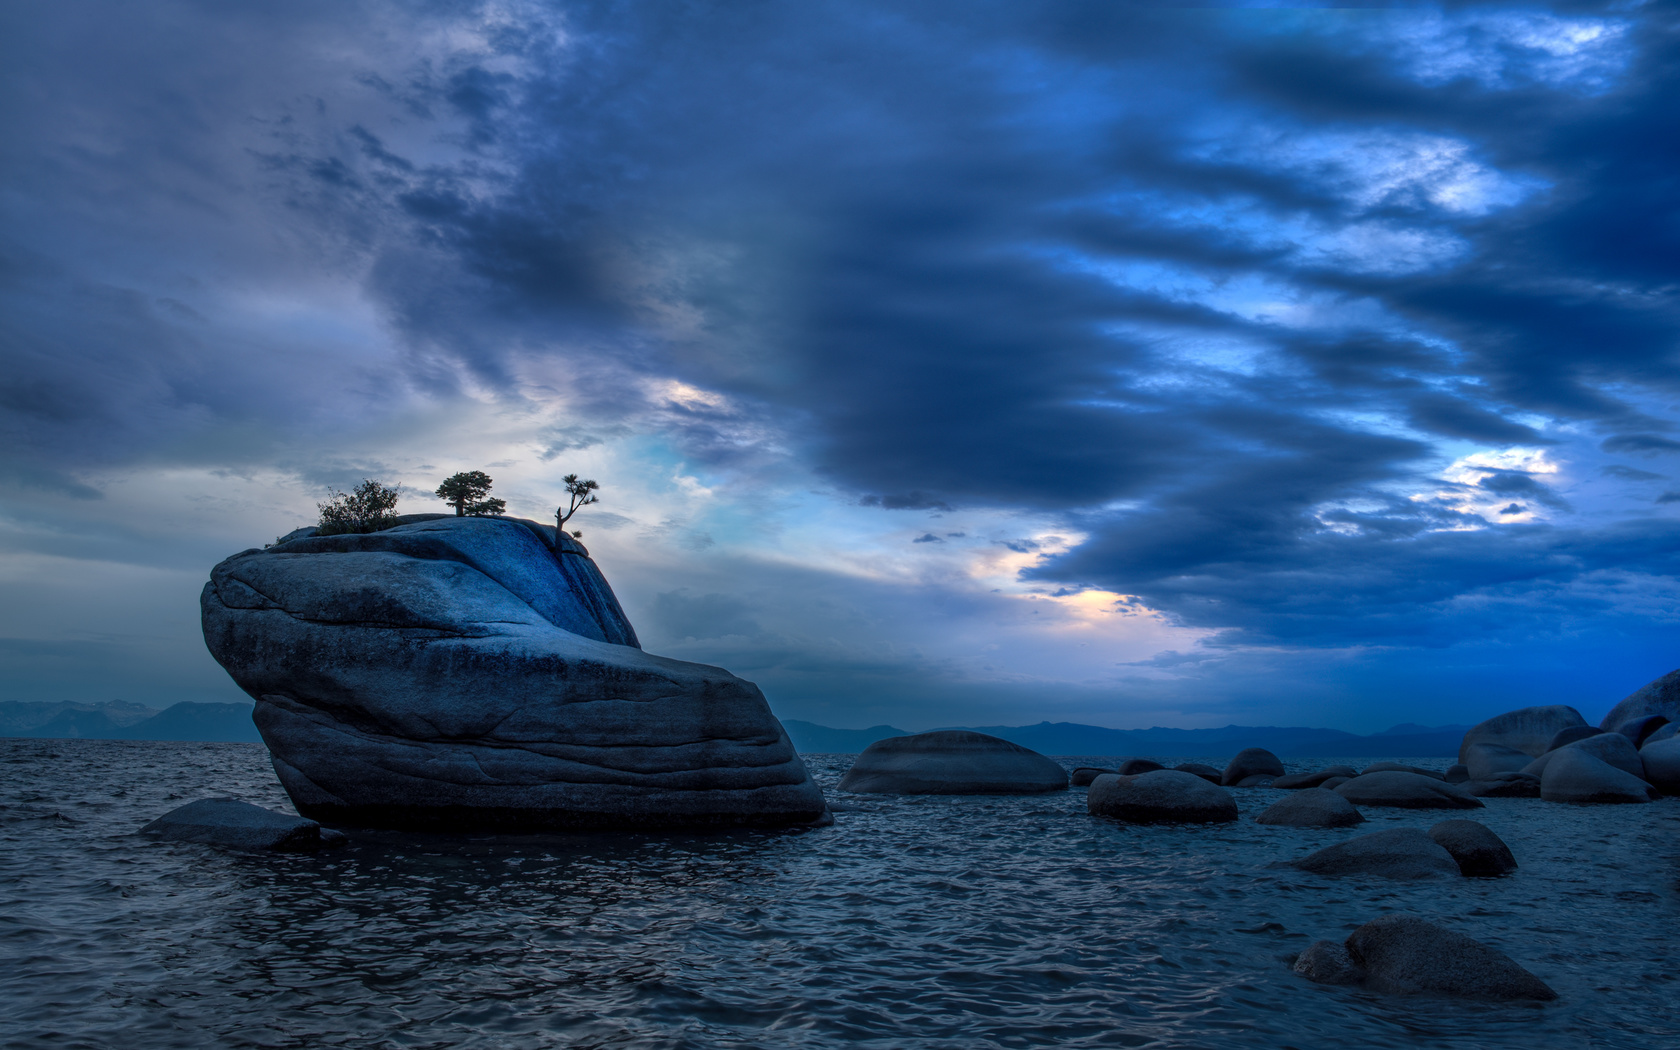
(1574, 775)
(478, 673)
(952, 762)
(1131, 767)
(1164, 796)
(1252, 762)
(1505, 785)
(240, 825)
(1083, 775)
(1667, 732)
(1610, 748)
(1406, 955)
(1640, 729)
(1475, 847)
(1659, 697)
(1201, 769)
(1662, 765)
(1312, 807)
(1572, 734)
(1529, 730)
(1483, 760)
(1398, 853)
(1406, 791)
(1296, 781)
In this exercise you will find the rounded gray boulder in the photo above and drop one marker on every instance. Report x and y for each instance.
(1662, 765)
(1328, 962)
(1574, 775)
(1505, 785)
(239, 825)
(1406, 791)
(1251, 762)
(1400, 767)
(1529, 730)
(953, 762)
(1658, 697)
(1610, 748)
(1201, 769)
(1398, 853)
(1082, 776)
(1406, 955)
(1456, 774)
(1295, 781)
(1640, 729)
(1667, 732)
(1484, 760)
(1164, 796)
(1478, 851)
(1131, 767)
(1312, 807)
(1572, 734)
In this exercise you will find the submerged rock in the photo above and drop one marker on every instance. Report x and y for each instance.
(1328, 962)
(240, 825)
(952, 762)
(1083, 776)
(1164, 796)
(1406, 791)
(1406, 955)
(1201, 769)
(1529, 730)
(1658, 697)
(478, 673)
(1252, 762)
(1475, 847)
(1312, 807)
(1574, 775)
(1296, 781)
(1505, 785)
(1398, 853)
(1662, 765)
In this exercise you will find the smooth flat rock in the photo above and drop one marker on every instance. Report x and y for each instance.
(952, 762)
(1406, 791)
(1572, 734)
(1658, 697)
(1610, 748)
(1164, 796)
(1201, 769)
(1478, 851)
(239, 825)
(1483, 760)
(1296, 781)
(1131, 767)
(1662, 765)
(1398, 853)
(1574, 775)
(1328, 962)
(1640, 729)
(1529, 730)
(1505, 785)
(1312, 807)
(1252, 762)
(1406, 955)
(478, 674)
(1083, 776)
(1398, 767)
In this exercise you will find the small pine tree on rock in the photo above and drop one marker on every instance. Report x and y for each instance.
(580, 494)
(467, 491)
(367, 508)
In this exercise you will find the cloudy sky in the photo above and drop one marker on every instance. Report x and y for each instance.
(941, 363)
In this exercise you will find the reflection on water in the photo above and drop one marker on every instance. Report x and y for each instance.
(913, 922)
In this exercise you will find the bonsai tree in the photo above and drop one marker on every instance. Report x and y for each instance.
(366, 509)
(466, 491)
(580, 494)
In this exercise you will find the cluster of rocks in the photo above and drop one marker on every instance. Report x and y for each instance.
(1552, 753)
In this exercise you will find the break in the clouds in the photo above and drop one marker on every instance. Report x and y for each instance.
(942, 362)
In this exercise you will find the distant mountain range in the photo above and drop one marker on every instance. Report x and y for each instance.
(1070, 738)
(121, 720)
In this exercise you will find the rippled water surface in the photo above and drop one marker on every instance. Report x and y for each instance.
(912, 922)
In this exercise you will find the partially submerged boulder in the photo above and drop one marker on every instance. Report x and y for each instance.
(1312, 807)
(1574, 775)
(1529, 730)
(1662, 765)
(1083, 775)
(1328, 962)
(1406, 955)
(1164, 796)
(1406, 791)
(1398, 853)
(1131, 767)
(1296, 781)
(478, 673)
(1478, 851)
(1658, 697)
(952, 762)
(1252, 762)
(239, 825)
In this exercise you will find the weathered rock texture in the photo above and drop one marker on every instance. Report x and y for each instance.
(466, 673)
(1528, 729)
(952, 762)
(1406, 955)
(1661, 697)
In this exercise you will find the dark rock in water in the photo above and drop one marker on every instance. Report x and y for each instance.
(1165, 796)
(1406, 955)
(1659, 697)
(1640, 729)
(1206, 772)
(1328, 962)
(1399, 853)
(1406, 791)
(1662, 765)
(1312, 807)
(1397, 767)
(1251, 762)
(1335, 782)
(952, 762)
(1572, 734)
(1258, 780)
(1131, 767)
(1611, 748)
(478, 673)
(1083, 776)
(1574, 775)
(1484, 760)
(1505, 785)
(1295, 781)
(240, 825)
(1477, 849)
(331, 839)
(1529, 730)
(1456, 774)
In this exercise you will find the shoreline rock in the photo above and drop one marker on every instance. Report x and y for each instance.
(952, 762)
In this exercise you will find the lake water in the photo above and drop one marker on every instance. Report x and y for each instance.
(912, 922)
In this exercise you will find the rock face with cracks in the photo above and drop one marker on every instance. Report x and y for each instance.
(478, 674)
